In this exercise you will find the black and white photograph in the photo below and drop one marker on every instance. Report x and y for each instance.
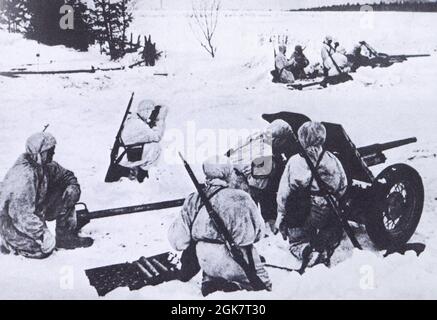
(218, 150)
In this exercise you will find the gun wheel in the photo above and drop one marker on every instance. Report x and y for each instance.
(398, 206)
(397, 203)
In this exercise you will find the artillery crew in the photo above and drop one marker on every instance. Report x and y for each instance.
(261, 181)
(35, 190)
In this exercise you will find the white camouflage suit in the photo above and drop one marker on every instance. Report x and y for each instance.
(263, 151)
(282, 65)
(33, 192)
(329, 55)
(241, 217)
(136, 130)
(265, 144)
(297, 176)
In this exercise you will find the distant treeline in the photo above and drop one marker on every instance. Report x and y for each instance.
(417, 6)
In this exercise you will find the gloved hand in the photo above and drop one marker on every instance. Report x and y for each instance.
(247, 171)
(48, 242)
(276, 227)
(71, 196)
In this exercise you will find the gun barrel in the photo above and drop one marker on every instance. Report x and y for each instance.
(410, 56)
(134, 209)
(379, 147)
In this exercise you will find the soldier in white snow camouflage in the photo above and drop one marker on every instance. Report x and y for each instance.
(304, 215)
(242, 219)
(37, 189)
(141, 129)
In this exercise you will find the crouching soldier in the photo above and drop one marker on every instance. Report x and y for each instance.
(35, 190)
(357, 59)
(304, 216)
(335, 61)
(261, 160)
(300, 62)
(194, 231)
(141, 135)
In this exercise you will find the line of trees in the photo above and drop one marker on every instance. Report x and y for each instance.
(417, 6)
(41, 20)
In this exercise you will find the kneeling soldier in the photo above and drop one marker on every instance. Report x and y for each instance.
(304, 215)
(241, 218)
(34, 190)
(142, 134)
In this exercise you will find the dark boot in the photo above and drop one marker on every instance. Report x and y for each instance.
(73, 241)
(142, 174)
(116, 172)
(218, 284)
(4, 250)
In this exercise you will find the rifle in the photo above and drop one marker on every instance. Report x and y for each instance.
(327, 195)
(111, 175)
(339, 70)
(218, 223)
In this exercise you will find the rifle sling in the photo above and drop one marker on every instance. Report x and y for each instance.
(248, 268)
(333, 61)
(202, 205)
(141, 118)
(329, 197)
(318, 192)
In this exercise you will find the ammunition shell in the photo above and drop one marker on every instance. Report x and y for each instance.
(159, 265)
(146, 273)
(147, 264)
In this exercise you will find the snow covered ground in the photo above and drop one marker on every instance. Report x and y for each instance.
(229, 92)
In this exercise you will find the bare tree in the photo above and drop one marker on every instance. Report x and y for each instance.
(203, 22)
